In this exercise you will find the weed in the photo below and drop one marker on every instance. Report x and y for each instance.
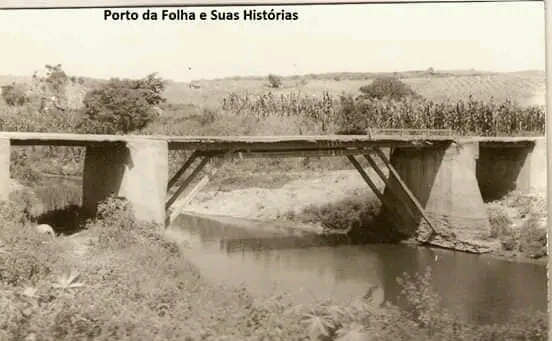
(500, 223)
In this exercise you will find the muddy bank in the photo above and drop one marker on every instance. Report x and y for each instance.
(301, 202)
(271, 204)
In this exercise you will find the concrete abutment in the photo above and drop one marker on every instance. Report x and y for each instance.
(450, 181)
(137, 170)
(443, 179)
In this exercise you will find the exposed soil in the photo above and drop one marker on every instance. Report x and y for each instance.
(273, 204)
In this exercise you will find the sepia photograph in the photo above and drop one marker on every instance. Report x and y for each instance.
(322, 172)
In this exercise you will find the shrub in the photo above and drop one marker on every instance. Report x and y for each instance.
(209, 116)
(275, 81)
(27, 256)
(122, 106)
(344, 215)
(532, 238)
(357, 215)
(351, 120)
(500, 223)
(14, 95)
(388, 87)
(115, 224)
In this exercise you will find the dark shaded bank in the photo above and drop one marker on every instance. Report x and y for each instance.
(357, 217)
(517, 220)
(517, 223)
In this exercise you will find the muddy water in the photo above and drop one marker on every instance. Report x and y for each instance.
(268, 261)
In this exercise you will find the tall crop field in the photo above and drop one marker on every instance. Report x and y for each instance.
(345, 114)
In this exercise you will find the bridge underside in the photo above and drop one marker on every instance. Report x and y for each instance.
(431, 190)
(433, 186)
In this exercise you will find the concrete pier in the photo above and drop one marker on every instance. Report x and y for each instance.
(444, 182)
(137, 171)
(450, 177)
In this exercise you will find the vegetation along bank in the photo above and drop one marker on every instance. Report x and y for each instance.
(118, 279)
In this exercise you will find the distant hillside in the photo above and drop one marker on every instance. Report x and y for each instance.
(8, 79)
(525, 87)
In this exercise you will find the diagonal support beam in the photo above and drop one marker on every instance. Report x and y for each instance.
(392, 188)
(374, 188)
(182, 170)
(216, 167)
(186, 182)
(405, 188)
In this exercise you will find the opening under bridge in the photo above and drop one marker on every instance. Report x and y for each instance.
(431, 178)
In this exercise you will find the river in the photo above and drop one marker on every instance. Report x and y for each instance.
(477, 288)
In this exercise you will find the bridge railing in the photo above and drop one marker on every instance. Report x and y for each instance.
(413, 132)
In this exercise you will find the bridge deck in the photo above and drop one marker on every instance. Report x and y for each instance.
(254, 143)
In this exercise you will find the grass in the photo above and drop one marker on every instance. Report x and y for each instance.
(129, 283)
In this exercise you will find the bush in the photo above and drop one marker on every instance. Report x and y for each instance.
(500, 223)
(115, 225)
(122, 106)
(135, 292)
(357, 216)
(532, 238)
(14, 95)
(27, 256)
(344, 215)
(388, 87)
(275, 81)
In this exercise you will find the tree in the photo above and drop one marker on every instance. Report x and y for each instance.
(275, 81)
(122, 106)
(388, 87)
(14, 95)
(51, 87)
(56, 79)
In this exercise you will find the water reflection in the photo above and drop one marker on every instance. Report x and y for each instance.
(475, 288)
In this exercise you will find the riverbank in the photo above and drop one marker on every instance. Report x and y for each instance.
(323, 202)
(120, 280)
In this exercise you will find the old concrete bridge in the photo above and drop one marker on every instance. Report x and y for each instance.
(432, 180)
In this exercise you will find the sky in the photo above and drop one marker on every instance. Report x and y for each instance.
(325, 38)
